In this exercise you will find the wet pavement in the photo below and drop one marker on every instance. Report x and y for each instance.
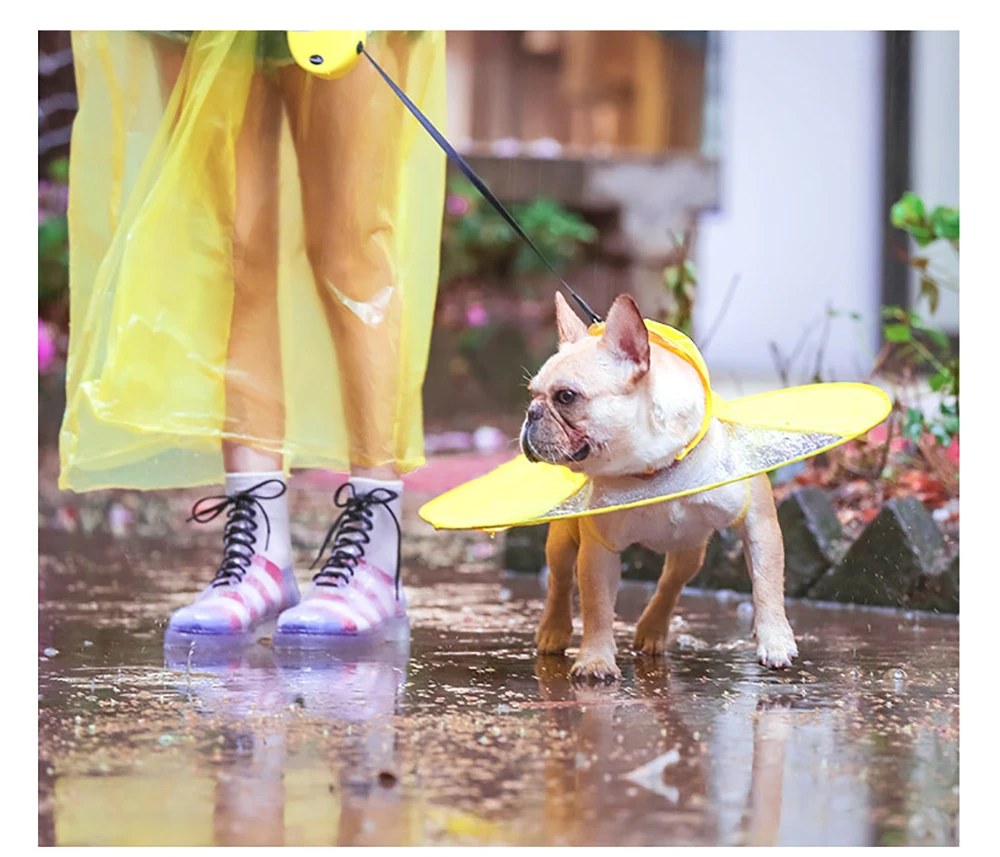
(465, 737)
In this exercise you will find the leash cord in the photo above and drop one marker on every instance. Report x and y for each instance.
(479, 184)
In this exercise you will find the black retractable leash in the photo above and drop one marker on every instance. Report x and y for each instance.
(470, 174)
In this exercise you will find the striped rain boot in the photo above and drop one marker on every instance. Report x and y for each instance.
(357, 592)
(255, 581)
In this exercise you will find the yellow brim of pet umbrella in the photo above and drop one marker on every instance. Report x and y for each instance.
(764, 431)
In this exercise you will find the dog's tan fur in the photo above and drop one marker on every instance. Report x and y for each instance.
(613, 408)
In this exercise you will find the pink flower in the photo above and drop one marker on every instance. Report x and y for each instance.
(456, 205)
(476, 315)
(46, 348)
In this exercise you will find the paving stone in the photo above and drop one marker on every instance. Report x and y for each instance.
(640, 563)
(937, 592)
(886, 563)
(812, 536)
(724, 566)
(524, 549)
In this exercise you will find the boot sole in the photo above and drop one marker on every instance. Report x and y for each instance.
(394, 629)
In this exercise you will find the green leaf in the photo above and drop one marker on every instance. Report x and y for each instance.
(913, 424)
(897, 333)
(59, 170)
(938, 337)
(941, 434)
(910, 215)
(944, 221)
(908, 211)
(939, 380)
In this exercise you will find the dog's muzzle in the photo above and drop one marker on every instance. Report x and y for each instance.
(529, 451)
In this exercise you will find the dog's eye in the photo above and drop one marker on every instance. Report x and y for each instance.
(565, 397)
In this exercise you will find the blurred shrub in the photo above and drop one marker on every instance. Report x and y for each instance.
(490, 333)
(479, 247)
(680, 279)
(53, 264)
(53, 238)
(910, 341)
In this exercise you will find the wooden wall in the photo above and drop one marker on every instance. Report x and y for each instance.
(593, 92)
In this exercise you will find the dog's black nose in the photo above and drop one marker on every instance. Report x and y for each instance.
(534, 413)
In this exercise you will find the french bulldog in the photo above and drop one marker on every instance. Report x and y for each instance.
(613, 408)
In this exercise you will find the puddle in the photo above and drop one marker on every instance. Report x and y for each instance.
(465, 737)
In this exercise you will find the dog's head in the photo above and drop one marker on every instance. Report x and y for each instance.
(605, 405)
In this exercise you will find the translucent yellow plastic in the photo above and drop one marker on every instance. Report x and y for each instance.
(253, 256)
(763, 432)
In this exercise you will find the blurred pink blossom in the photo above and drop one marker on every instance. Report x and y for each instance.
(46, 348)
(456, 205)
(476, 315)
(52, 199)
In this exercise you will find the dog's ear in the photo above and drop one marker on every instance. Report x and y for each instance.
(571, 327)
(625, 334)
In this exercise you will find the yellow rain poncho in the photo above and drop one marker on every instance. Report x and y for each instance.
(253, 256)
(764, 432)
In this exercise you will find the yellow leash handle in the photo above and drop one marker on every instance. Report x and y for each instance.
(326, 53)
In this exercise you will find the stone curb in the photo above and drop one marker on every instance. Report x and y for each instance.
(898, 561)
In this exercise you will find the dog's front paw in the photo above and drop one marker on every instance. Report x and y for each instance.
(596, 664)
(776, 645)
(553, 638)
(649, 640)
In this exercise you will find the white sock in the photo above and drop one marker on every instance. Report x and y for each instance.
(383, 551)
(278, 547)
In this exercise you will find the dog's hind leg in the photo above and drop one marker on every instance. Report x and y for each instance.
(556, 627)
(654, 624)
(764, 549)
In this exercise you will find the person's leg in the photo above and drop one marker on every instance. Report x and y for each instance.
(255, 409)
(349, 136)
(255, 580)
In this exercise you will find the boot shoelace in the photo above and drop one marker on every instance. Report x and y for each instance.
(350, 534)
(239, 535)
